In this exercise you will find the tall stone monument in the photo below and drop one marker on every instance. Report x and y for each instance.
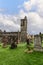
(37, 43)
(23, 29)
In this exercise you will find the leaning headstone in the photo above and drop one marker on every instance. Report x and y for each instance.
(37, 43)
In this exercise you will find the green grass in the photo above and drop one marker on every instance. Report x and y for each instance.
(19, 57)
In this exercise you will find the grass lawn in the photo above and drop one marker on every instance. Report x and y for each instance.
(19, 57)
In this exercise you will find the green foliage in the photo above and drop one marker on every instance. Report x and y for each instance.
(19, 57)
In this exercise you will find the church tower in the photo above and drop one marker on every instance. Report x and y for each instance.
(23, 29)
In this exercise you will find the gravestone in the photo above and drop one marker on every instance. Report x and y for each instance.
(13, 43)
(4, 41)
(37, 43)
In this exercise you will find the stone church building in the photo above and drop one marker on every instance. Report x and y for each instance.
(21, 36)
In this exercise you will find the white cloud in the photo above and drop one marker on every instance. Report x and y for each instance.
(7, 22)
(29, 4)
(35, 23)
(40, 7)
(22, 14)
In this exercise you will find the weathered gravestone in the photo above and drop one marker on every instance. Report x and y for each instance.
(37, 43)
(13, 43)
(4, 41)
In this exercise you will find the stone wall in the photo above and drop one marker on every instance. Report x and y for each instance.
(9, 35)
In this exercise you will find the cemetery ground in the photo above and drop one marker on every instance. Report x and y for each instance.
(19, 57)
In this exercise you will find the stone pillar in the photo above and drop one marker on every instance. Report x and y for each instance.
(18, 40)
(37, 43)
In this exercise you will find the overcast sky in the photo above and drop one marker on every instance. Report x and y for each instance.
(11, 11)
